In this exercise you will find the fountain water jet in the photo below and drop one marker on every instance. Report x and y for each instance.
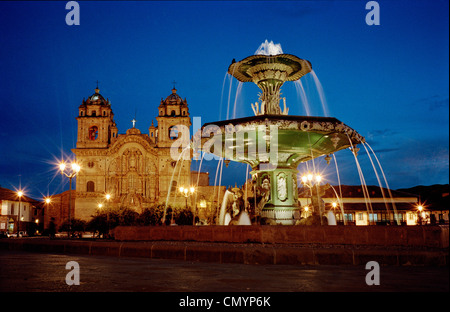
(340, 188)
(354, 150)
(187, 148)
(319, 88)
(227, 199)
(385, 181)
(269, 48)
(244, 219)
(301, 91)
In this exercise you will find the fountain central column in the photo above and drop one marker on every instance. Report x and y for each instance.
(277, 193)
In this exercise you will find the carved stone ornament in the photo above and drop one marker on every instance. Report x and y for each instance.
(281, 186)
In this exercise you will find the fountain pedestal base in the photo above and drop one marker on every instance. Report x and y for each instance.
(277, 192)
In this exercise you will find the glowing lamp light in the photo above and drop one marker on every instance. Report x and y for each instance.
(334, 204)
(309, 178)
(306, 208)
(48, 200)
(108, 196)
(76, 167)
(20, 193)
(186, 191)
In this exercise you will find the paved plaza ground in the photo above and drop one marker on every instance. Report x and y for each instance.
(105, 282)
(22, 271)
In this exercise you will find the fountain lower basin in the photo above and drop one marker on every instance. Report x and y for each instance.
(294, 139)
(274, 145)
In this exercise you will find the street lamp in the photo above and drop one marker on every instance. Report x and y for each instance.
(47, 201)
(313, 180)
(75, 168)
(309, 179)
(419, 208)
(305, 209)
(107, 197)
(186, 192)
(19, 194)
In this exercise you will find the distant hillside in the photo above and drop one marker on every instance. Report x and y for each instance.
(433, 196)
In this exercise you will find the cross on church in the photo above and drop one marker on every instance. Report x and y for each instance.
(174, 83)
(134, 122)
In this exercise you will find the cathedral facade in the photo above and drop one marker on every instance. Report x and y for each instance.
(135, 169)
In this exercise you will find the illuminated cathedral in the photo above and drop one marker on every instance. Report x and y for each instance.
(134, 168)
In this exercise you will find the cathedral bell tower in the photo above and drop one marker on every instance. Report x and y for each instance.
(96, 126)
(173, 114)
(173, 127)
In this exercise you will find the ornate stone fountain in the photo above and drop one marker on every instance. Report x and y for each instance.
(272, 142)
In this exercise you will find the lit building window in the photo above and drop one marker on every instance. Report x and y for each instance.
(173, 132)
(93, 133)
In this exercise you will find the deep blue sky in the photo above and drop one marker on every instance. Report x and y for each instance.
(388, 82)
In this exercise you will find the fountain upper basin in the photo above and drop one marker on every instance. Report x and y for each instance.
(284, 67)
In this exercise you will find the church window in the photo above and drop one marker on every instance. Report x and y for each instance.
(81, 113)
(172, 114)
(132, 182)
(104, 113)
(90, 186)
(174, 186)
(94, 113)
(12, 208)
(93, 133)
(173, 132)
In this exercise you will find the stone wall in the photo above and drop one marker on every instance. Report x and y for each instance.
(406, 236)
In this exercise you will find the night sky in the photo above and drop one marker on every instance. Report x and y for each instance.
(389, 81)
